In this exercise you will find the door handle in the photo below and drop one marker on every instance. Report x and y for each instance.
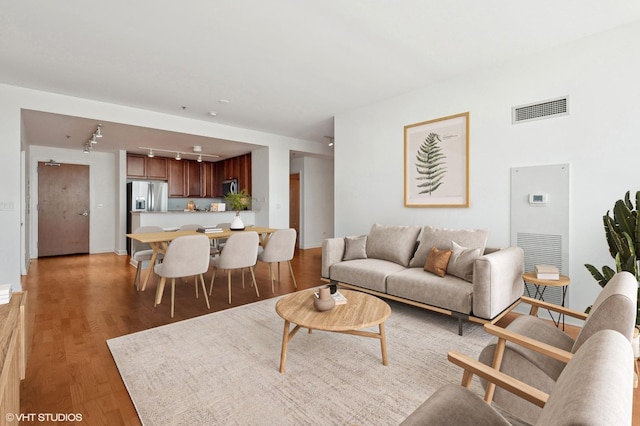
(85, 213)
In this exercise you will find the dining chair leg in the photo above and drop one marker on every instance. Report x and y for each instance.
(292, 276)
(213, 277)
(229, 283)
(271, 276)
(204, 290)
(173, 294)
(253, 277)
(136, 281)
(242, 272)
(195, 282)
(159, 291)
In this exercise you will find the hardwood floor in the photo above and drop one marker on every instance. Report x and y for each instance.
(76, 303)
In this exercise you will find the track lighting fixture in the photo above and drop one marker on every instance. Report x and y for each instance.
(197, 153)
(88, 145)
(330, 140)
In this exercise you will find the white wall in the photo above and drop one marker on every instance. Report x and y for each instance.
(316, 183)
(599, 139)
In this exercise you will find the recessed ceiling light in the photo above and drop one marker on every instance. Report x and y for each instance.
(224, 101)
(213, 113)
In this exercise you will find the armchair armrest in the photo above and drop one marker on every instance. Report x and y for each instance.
(529, 343)
(497, 378)
(332, 252)
(537, 304)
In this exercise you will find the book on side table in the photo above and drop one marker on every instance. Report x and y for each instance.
(547, 272)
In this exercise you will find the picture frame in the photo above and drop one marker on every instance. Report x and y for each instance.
(436, 162)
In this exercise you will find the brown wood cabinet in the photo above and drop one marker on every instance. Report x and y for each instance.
(177, 178)
(13, 351)
(195, 179)
(143, 167)
(188, 178)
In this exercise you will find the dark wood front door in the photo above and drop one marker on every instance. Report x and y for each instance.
(63, 209)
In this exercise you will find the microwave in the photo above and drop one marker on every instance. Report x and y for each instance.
(230, 186)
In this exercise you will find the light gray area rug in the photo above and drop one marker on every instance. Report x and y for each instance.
(222, 369)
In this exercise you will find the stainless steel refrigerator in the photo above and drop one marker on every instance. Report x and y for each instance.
(145, 196)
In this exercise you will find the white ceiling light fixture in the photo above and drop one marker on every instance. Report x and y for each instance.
(199, 160)
(213, 113)
(178, 154)
(98, 133)
(330, 140)
(93, 139)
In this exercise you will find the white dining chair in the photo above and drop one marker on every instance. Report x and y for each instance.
(186, 256)
(280, 247)
(240, 251)
(141, 252)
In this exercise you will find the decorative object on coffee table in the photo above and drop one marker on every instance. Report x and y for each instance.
(325, 301)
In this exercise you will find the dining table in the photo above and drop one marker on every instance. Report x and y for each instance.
(159, 241)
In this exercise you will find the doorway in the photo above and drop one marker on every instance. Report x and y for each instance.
(63, 209)
(294, 204)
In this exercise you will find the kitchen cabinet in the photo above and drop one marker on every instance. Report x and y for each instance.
(239, 168)
(195, 179)
(177, 178)
(143, 167)
(188, 178)
(136, 166)
(156, 168)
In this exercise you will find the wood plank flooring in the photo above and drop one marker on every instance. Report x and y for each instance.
(78, 302)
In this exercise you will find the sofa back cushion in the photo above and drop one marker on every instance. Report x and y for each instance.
(441, 239)
(394, 243)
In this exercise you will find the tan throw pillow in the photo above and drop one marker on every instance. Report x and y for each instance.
(461, 262)
(437, 261)
(355, 248)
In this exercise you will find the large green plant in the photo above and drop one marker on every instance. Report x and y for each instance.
(623, 237)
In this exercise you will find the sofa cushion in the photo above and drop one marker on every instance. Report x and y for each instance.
(441, 238)
(461, 261)
(437, 261)
(393, 243)
(367, 273)
(448, 292)
(355, 247)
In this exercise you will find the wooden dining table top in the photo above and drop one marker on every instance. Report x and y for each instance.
(159, 237)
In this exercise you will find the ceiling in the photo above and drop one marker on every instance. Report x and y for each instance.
(285, 67)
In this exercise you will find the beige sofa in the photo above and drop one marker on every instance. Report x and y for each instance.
(479, 285)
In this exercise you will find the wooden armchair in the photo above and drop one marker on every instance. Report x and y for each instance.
(536, 352)
(595, 389)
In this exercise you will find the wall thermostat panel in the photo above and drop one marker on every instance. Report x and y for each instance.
(538, 199)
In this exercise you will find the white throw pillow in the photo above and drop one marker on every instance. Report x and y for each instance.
(461, 261)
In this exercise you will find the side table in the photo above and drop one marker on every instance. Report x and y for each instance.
(541, 285)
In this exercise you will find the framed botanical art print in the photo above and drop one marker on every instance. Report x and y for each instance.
(436, 162)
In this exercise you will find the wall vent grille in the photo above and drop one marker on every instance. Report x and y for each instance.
(540, 110)
(546, 250)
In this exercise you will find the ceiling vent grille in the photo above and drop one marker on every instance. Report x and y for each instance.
(540, 110)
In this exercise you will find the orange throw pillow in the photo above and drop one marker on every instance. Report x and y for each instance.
(437, 261)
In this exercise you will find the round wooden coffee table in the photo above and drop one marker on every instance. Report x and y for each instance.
(361, 311)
